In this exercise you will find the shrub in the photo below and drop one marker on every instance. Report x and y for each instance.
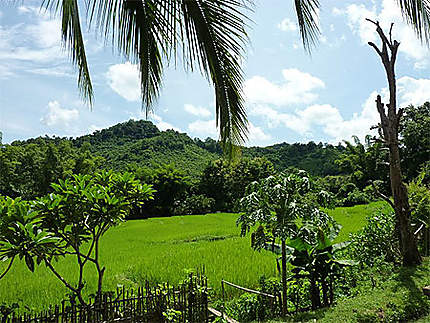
(355, 197)
(194, 204)
(377, 241)
(419, 199)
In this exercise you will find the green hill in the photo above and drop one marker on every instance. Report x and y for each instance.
(141, 144)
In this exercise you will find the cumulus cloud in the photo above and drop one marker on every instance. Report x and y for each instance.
(197, 111)
(58, 116)
(203, 128)
(207, 128)
(124, 80)
(257, 136)
(287, 25)
(163, 125)
(387, 13)
(328, 119)
(38, 40)
(297, 87)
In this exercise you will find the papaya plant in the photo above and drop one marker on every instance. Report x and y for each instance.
(277, 205)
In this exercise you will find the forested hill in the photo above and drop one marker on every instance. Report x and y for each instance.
(135, 144)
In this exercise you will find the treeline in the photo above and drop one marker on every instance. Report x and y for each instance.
(191, 177)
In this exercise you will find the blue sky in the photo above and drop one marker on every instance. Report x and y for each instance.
(290, 96)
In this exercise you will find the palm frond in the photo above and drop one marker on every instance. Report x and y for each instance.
(215, 36)
(307, 12)
(417, 14)
(73, 40)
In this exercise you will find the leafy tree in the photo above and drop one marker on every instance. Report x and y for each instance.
(21, 234)
(419, 197)
(79, 212)
(365, 162)
(171, 185)
(277, 204)
(225, 181)
(415, 138)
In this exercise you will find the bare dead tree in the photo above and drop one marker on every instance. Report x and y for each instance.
(389, 133)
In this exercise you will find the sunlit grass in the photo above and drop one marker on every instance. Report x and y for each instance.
(161, 249)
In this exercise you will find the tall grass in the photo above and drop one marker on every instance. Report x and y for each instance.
(161, 249)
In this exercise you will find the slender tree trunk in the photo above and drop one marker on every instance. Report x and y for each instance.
(315, 293)
(389, 132)
(324, 287)
(284, 278)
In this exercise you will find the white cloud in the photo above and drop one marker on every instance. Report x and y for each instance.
(328, 119)
(257, 136)
(388, 12)
(38, 40)
(5, 72)
(58, 71)
(203, 128)
(297, 87)
(163, 125)
(197, 111)
(58, 116)
(287, 25)
(124, 80)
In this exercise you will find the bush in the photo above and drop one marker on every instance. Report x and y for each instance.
(355, 197)
(419, 199)
(377, 241)
(195, 204)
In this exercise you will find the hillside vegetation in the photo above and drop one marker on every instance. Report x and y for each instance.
(141, 144)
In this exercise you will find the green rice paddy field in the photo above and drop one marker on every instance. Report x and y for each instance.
(161, 249)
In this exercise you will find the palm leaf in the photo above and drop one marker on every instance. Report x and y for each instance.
(417, 14)
(307, 12)
(73, 40)
(215, 35)
(211, 35)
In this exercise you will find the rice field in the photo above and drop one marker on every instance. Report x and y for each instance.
(163, 249)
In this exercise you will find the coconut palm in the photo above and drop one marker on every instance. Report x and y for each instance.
(210, 35)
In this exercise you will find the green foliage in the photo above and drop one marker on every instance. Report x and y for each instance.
(365, 162)
(171, 185)
(279, 203)
(377, 241)
(21, 234)
(225, 182)
(419, 200)
(27, 169)
(194, 204)
(317, 159)
(415, 139)
(315, 260)
(80, 211)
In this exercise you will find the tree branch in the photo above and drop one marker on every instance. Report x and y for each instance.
(383, 196)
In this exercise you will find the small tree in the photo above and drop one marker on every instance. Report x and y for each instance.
(277, 204)
(80, 211)
(313, 255)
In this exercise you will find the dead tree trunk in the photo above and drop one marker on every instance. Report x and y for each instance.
(389, 132)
